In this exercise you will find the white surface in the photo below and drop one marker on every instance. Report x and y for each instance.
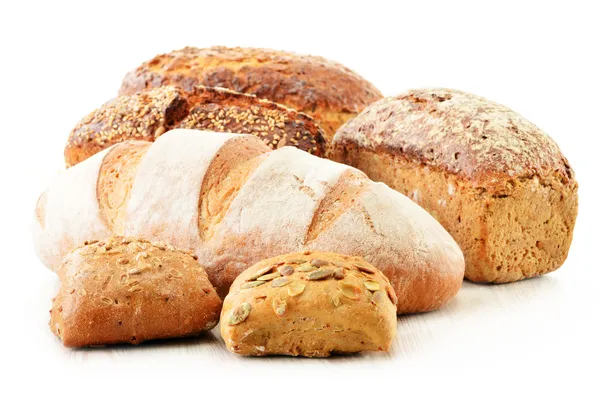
(58, 62)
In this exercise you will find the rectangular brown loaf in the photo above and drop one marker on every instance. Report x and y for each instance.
(234, 201)
(497, 183)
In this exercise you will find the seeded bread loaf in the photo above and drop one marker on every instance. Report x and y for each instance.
(234, 201)
(496, 182)
(124, 290)
(148, 115)
(325, 90)
(309, 304)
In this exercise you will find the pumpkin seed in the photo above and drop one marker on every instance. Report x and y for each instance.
(378, 297)
(268, 277)
(342, 264)
(250, 285)
(296, 261)
(279, 306)
(260, 273)
(350, 290)
(306, 268)
(317, 262)
(372, 286)
(279, 282)
(239, 314)
(339, 273)
(336, 300)
(322, 273)
(296, 288)
(286, 270)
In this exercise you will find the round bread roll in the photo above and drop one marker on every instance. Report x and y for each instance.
(125, 290)
(148, 115)
(309, 304)
(323, 89)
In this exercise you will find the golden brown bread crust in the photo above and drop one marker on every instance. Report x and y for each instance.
(309, 304)
(146, 116)
(326, 90)
(499, 185)
(125, 290)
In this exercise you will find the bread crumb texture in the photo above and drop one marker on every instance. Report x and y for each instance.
(497, 183)
(126, 290)
(326, 90)
(309, 304)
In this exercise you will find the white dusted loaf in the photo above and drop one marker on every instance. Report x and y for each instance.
(234, 202)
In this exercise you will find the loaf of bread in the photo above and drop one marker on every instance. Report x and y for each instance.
(148, 115)
(234, 201)
(498, 184)
(325, 90)
(125, 290)
(309, 304)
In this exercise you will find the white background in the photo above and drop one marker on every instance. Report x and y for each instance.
(60, 61)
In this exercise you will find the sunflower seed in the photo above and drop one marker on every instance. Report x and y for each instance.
(364, 268)
(316, 262)
(319, 274)
(250, 285)
(268, 277)
(135, 271)
(296, 261)
(391, 294)
(372, 286)
(279, 306)
(260, 273)
(106, 300)
(350, 290)
(339, 273)
(286, 270)
(239, 314)
(296, 288)
(122, 261)
(279, 282)
(306, 268)
(378, 297)
(135, 289)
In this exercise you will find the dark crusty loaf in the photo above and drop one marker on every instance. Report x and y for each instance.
(125, 290)
(147, 115)
(309, 304)
(235, 202)
(326, 90)
(498, 184)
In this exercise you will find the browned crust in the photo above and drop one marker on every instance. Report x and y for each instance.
(147, 115)
(115, 180)
(522, 233)
(311, 84)
(483, 142)
(125, 290)
(340, 304)
(235, 161)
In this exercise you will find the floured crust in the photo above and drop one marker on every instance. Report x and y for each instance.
(309, 304)
(499, 185)
(460, 133)
(326, 90)
(125, 290)
(235, 202)
(148, 115)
